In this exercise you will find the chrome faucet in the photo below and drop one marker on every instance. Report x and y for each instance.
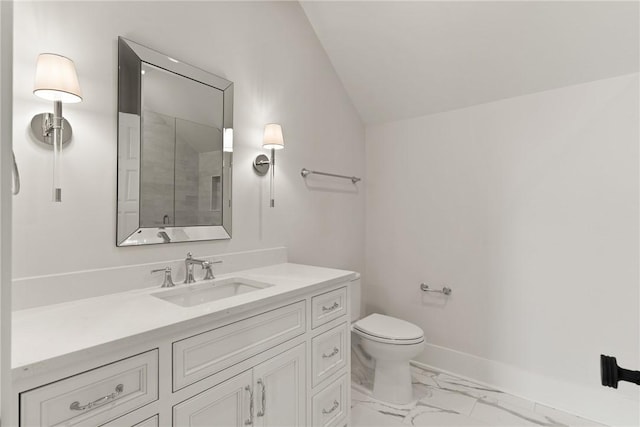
(168, 281)
(208, 270)
(206, 265)
(164, 236)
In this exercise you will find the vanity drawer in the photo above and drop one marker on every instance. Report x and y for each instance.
(329, 306)
(330, 405)
(149, 422)
(329, 353)
(93, 397)
(205, 354)
(132, 419)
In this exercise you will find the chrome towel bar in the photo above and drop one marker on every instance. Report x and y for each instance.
(425, 288)
(304, 172)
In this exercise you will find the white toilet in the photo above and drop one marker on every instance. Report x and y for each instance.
(392, 343)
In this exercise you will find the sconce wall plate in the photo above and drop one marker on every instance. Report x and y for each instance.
(261, 164)
(40, 123)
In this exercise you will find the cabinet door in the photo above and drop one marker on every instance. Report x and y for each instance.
(225, 405)
(280, 390)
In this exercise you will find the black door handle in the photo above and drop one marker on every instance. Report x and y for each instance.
(611, 373)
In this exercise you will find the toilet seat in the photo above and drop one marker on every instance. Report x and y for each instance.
(388, 330)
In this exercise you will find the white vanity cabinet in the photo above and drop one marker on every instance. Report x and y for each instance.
(93, 397)
(228, 404)
(279, 386)
(330, 359)
(270, 395)
(199, 356)
(282, 363)
(330, 406)
(328, 306)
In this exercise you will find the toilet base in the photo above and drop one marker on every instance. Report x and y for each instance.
(392, 382)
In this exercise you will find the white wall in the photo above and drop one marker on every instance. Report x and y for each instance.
(528, 209)
(6, 55)
(281, 74)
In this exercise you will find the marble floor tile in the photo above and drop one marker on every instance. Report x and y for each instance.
(433, 419)
(358, 396)
(363, 416)
(424, 371)
(457, 402)
(504, 414)
(564, 418)
(445, 400)
(361, 399)
(421, 379)
(483, 393)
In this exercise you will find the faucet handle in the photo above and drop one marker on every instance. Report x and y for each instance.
(208, 269)
(168, 280)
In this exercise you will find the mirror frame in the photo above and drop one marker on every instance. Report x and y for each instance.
(131, 55)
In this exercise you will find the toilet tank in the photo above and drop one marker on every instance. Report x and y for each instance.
(355, 287)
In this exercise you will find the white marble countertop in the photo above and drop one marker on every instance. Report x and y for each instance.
(43, 333)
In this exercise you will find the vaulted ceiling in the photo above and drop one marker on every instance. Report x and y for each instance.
(401, 59)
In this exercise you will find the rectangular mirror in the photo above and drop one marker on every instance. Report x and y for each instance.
(175, 147)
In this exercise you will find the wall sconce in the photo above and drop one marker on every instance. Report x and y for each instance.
(57, 81)
(273, 140)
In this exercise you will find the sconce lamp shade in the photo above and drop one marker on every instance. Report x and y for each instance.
(227, 140)
(56, 79)
(273, 138)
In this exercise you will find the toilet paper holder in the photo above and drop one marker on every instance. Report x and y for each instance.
(445, 290)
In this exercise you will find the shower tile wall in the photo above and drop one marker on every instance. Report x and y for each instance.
(173, 168)
(186, 183)
(156, 180)
(209, 196)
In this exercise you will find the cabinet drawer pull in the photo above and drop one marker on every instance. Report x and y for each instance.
(333, 353)
(333, 408)
(331, 308)
(250, 420)
(264, 398)
(75, 406)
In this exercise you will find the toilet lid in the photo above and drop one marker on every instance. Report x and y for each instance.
(387, 327)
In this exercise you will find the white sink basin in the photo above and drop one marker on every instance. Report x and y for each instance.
(191, 295)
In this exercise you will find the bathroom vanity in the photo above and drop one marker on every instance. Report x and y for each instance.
(268, 347)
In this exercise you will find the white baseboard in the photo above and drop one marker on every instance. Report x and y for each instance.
(604, 405)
